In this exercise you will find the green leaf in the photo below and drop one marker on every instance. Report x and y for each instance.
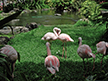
(4, 77)
(3, 55)
(7, 67)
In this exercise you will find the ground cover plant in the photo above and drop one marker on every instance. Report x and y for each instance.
(33, 53)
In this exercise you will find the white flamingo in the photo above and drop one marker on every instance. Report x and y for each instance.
(64, 38)
(51, 36)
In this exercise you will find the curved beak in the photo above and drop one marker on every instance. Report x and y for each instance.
(57, 69)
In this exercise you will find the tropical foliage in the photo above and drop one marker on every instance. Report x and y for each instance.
(39, 4)
(4, 68)
(93, 11)
(90, 10)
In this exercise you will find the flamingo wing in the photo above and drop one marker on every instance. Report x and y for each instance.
(65, 37)
(49, 36)
(85, 51)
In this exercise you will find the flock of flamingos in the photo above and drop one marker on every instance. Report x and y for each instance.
(84, 51)
(52, 62)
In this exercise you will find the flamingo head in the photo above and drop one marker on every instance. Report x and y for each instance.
(79, 40)
(47, 44)
(53, 69)
(57, 30)
(93, 55)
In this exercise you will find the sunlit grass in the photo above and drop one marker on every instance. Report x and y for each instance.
(33, 52)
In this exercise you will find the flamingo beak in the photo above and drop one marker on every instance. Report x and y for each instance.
(72, 40)
(42, 38)
(57, 69)
(93, 55)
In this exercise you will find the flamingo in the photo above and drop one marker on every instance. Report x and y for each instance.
(12, 55)
(51, 36)
(51, 62)
(64, 38)
(102, 47)
(84, 51)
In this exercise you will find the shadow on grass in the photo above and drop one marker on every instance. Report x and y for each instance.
(68, 71)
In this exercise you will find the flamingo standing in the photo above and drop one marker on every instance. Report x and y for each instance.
(51, 36)
(51, 62)
(64, 38)
(12, 55)
(84, 51)
(102, 47)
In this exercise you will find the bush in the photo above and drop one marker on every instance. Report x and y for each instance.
(90, 10)
(82, 23)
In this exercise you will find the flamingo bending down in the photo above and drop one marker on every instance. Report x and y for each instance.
(102, 47)
(12, 55)
(64, 38)
(51, 62)
(51, 36)
(84, 51)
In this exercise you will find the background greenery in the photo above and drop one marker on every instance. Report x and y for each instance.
(89, 9)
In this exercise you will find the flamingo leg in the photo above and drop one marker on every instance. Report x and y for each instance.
(13, 68)
(63, 50)
(84, 64)
(93, 64)
(102, 61)
(87, 65)
(84, 67)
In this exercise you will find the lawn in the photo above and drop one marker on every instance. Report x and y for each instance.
(33, 53)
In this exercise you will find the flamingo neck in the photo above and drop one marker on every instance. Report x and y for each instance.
(80, 42)
(57, 33)
(48, 50)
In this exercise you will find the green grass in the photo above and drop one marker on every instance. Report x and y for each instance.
(33, 53)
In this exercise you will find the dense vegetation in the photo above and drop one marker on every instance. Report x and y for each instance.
(90, 9)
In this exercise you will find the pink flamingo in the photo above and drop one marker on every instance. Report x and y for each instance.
(84, 51)
(102, 47)
(12, 55)
(64, 38)
(51, 62)
(51, 36)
